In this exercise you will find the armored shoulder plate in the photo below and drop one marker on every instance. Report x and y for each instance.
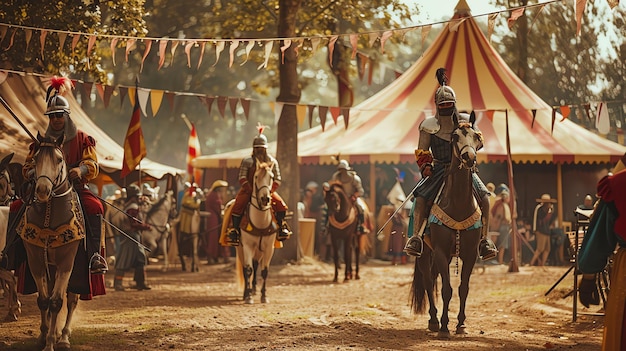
(430, 125)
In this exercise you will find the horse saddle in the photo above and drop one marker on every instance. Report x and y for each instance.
(246, 224)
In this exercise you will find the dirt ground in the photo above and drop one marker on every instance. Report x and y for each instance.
(204, 311)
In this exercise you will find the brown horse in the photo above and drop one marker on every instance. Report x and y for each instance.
(455, 223)
(51, 229)
(8, 282)
(342, 225)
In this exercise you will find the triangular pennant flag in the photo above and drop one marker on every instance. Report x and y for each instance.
(565, 111)
(130, 46)
(532, 124)
(62, 37)
(491, 23)
(28, 33)
(334, 112)
(354, 40)
(315, 43)
(162, 48)
(108, 92)
(425, 31)
(131, 96)
(278, 111)
(75, 39)
(345, 111)
(372, 38)
(603, 124)
(90, 42)
(515, 14)
(553, 119)
(612, 3)
(248, 49)
(360, 64)
(221, 104)
(87, 86)
(232, 103)
(175, 44)
(209, 103)
(268, 50)
(169, 96)
(297, 45)
(300, 113)
(156, 97)
(134, 145)
(42, 40)
(323, 112)
(383, 39)
(285, 46)
(113, 46)
(3, 32)
(100, 90)
(245, 103)
(202, 48)
(331, 48)
(123, 92)
(219, 47)
(193, 151)
(188, 47)
(580, 9)
(143, 94)
(11, 40)
(454, 24)
(231, 50)
(311, 108)
(145, 53)
(397, 74)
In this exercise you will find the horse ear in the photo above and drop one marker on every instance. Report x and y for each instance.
(455, 119)
(60, 140)
(472, 118)
(6, 160)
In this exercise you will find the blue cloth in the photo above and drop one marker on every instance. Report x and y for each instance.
(600, 240)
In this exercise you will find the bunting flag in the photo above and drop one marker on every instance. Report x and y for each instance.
(515, 14)
(193, 151)
(134, 145)
(603, 124)
(579, 10)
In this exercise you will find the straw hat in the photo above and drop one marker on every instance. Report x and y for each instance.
(218, 184)
(546, 198)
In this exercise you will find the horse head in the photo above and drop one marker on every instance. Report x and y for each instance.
(466, 141)
(50, 168)
(263, 179)
(6, 192)
(331, 197)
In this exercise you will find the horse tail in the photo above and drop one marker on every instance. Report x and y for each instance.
(417, 296)
(239, 267)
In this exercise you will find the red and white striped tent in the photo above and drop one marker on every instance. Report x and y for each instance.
(384, 128)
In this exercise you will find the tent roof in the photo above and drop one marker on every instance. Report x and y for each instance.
(384, 128)
(26, 97)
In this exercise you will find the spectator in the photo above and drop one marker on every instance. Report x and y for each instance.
(542, 219)
(501, 222)
(214, 205)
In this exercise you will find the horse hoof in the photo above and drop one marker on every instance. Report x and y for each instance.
(443, 334)
(460, 330)
(63, 345)
(357, 277)
(264, 299)
(433, 326)
(347, 280)
(335, 280)
(10, 317)
(249, 301)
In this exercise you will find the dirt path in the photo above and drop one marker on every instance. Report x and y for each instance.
(204, 311)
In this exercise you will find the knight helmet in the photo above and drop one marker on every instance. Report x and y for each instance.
(132, 191)
(445, 94)
(260, 140)
(55, 102)
(343, 164)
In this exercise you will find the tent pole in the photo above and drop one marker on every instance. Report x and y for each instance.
(559, 193)
(372, 202)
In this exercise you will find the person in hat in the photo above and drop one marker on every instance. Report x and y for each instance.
(606, 239)
(79, 150)
(246, 175)
(129, 255)
(352, 185)
(433, 156)
(214, 205)
(542, 220)
(500, 221)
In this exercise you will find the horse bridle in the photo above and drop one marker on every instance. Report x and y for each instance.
(61, 178)
(6, 198)
(458, 152)
(255, 194)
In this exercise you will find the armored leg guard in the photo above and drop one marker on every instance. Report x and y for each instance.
(97, 263)
(360, 220)
(415, 245)
(486, 248)
(117, 283)
(234, 235)
(283, 232)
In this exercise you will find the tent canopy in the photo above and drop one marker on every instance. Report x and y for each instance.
(384, 128)
(26, 97)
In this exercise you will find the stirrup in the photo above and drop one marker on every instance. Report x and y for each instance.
(233, 238)
(284, 233)
(414, 247)
(487, 250)
(97, 264)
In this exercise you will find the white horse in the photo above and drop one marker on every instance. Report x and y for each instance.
(158, 216)
(258, 233)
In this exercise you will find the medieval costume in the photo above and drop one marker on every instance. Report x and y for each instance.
(214, 205)
(433, 156)
(352, 185)
(606, 236)
(246, 179)
(79, 150)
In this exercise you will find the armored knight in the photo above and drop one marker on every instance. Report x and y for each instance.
(433, 156)
(246, 179)
(352, 185)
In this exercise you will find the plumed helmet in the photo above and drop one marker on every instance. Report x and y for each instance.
(343, 164)
(445, 94)
(132, 191)
(260, 141)
(57, 104)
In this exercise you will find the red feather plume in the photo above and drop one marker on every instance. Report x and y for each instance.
(260, 127)
(61, 84)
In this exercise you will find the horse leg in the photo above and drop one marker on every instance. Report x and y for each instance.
(163, 245)
(255, 267)
(264, 298)
(37, 265)
(181, 241)
(442, 265)
(335, 248)
(428, 279)
(357, 255)
(64, 257)
(247, 291)
(64, 340)
(194, 247)
(347, 257)
(9, 285)
(469, 260)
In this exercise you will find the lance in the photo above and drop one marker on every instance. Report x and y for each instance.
(408, 198)
(126, 235)
(4, 103)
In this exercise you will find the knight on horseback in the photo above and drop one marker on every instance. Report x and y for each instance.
(246, 175)
(433, 156)
(352, 185)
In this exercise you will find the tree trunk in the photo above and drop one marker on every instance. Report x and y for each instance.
(287, 139)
